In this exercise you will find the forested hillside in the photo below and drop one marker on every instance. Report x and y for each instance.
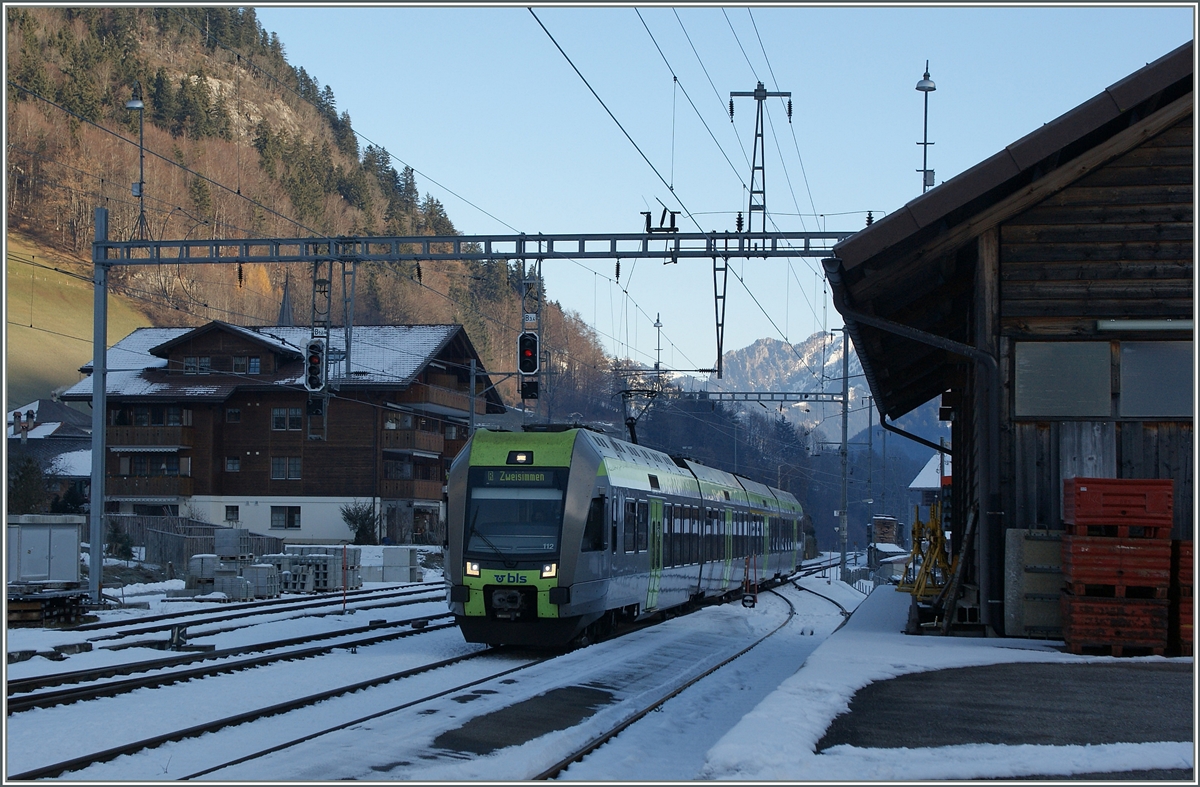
(239, 143)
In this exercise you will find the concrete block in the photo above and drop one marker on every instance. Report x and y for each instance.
(1033, 582)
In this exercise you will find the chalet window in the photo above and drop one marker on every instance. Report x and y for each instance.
(141, 416)
(174, 416)
(231, 513)
(168, 465)
(395, 470)
(233, 464)
(285, 467)
(253, 363)
(278, 418)
(205, 364)
(451, 432)
(239, 364)
(140, 466)
(1156, 379)
(285, 517)
(295, 418)
(233, 415)
(1063, 379)
(189, 364)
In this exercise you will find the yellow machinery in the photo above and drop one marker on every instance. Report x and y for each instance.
(928, 569)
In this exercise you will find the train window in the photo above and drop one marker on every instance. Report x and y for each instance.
(522, 520)
(643, 524)
(593, 531)
(630, 528)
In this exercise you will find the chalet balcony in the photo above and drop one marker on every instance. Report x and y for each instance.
(149, 486)
(443, 399)
(453, 447)
(412, 439)
(410, 489)
(149, 436)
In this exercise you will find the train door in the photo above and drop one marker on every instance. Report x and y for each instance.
(728, 569)
(656, 552)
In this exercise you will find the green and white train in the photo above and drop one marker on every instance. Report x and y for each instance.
(557, 534)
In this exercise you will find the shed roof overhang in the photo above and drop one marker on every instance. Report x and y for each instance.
(915, 268)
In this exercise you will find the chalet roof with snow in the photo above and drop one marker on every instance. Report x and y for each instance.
(381, 356)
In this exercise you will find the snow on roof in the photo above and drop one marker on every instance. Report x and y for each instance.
(883, 546)
(381, 354)
(36, 433)
(928, 477)
(73, 464)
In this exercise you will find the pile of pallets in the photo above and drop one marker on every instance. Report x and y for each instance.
(1116, 563)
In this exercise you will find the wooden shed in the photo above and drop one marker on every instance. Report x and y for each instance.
(1046, 295)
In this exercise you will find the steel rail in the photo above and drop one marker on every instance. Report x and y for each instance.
(76, 763)
(77, 676)
(46, 699)
(234, 610)
(437, 597)
(600, 740)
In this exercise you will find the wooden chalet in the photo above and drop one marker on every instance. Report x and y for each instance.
(215, 423)
(1046, 295)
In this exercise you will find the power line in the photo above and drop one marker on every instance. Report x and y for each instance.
(614, 119)
(689, 98)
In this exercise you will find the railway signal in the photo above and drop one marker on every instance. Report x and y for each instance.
(314, 365)
(528, 353)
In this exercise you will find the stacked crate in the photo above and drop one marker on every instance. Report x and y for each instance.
(1181, 631)
(263, 579)
(1116, 563)
(314, 568)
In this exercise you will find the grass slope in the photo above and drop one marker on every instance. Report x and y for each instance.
(48, 318)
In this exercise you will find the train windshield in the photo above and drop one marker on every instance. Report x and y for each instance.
(514, 512)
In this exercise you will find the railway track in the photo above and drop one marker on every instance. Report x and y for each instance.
(599, 740)
(29, 693)
(409, 710)
(167, 621)
(76, 763)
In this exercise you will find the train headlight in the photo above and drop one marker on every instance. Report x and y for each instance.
(549, 570)
(472, 569)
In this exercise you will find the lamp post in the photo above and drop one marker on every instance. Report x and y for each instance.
(926, 86)
(139, 188)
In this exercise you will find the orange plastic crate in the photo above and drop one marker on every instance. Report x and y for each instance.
(1181, 565)
(1116, 625)
(1117, 501)
(1116, 566)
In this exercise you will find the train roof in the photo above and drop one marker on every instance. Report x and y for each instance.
(638, 467)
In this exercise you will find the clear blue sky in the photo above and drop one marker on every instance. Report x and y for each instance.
(483, 105)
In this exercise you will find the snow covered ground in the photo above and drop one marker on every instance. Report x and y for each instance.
(757, 719)
(778, 739)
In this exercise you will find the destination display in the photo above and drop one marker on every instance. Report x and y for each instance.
(511, 476)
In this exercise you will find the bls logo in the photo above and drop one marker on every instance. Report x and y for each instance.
(512, 579)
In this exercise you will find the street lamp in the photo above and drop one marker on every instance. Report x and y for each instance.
(139, 188)
(926, 86)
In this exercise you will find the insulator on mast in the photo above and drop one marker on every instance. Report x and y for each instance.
(789, 110)
(618, 271)
(731, 110)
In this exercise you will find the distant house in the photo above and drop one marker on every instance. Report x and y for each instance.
(215, 423)
(58, 438)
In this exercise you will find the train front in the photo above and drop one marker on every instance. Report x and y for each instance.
(508, 496)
